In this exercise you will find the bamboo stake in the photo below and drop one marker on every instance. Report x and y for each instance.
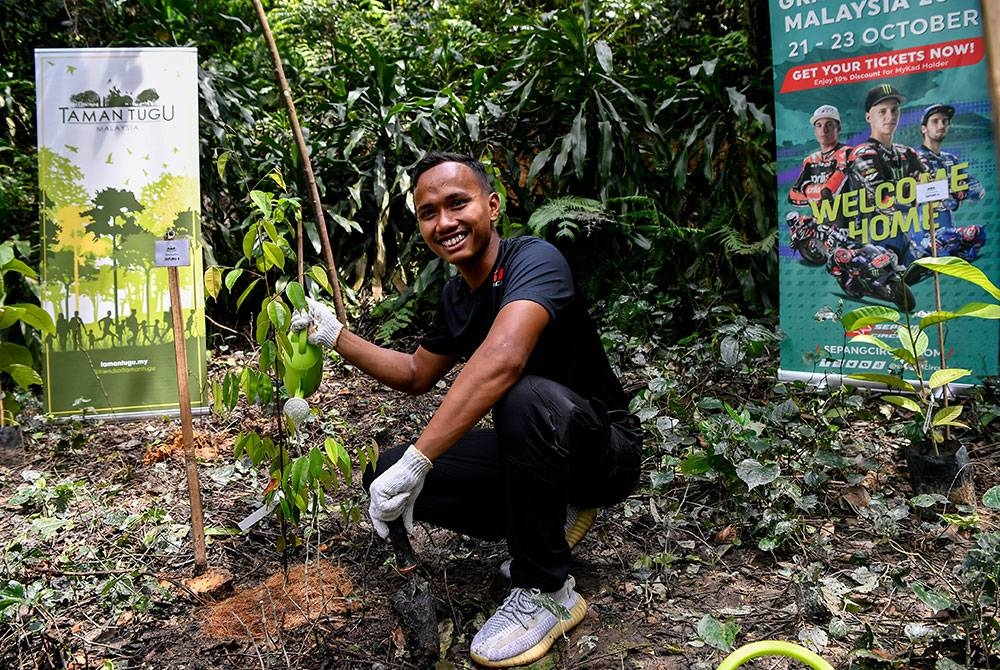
(300, 141)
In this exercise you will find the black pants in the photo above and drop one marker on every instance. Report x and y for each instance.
(549, 448)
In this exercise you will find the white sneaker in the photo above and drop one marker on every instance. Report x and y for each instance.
(526, 625)
(578, 523)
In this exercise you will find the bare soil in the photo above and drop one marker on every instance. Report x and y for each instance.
(651, 568)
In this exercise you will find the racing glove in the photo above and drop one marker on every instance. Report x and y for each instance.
(394, 492)
(324, 327)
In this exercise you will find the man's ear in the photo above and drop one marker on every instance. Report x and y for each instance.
(494, 206)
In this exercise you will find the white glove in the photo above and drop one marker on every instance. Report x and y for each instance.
(324, 327)
(394, 492)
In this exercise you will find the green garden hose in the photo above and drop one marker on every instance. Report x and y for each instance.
(773, 648)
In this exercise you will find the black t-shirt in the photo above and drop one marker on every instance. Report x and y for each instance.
(569, 350)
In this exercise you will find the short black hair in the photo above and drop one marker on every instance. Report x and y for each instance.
(435, 158)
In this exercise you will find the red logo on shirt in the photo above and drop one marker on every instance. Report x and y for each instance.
(497, 277)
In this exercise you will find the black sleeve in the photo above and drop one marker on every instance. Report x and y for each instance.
(539, 273)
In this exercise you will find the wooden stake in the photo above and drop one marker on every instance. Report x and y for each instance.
(187, 431)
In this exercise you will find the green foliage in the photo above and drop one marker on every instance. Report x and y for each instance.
(16, 319)
(301, 477)
(913, 347)
(566, 103)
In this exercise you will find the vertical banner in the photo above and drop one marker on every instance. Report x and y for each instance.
(884, 132)
(118, 169)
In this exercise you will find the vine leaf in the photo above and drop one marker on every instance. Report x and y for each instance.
(755, 474)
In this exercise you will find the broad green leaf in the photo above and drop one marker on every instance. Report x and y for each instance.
(232, 277)
(913, 340)
(960, 268)
(947, 416)
(904, 402)
(213, 281)
(348, 225)
(755, 474)
(717, 634)
(6, 254)
(697, 463)
(250, 241)
(946, 376)
(936, 600)
(270, 229)
(274, 255)
(298, 472)
(278, 313)
(267, 356)
(37, 317)
(262, 326)
(14, 354)
(262, 201)
(892, 381)
(9, 315)
(991, 498)
(246, 292)
(868, 316)
(338, 456)
(316, 463)
(296, 295)
(220, 165)
(870, 339)
(23, 375)
(977, 310)
(472, 123)
(20, 267)
(319, 275)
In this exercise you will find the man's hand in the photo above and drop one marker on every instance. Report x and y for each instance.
(394, 492)
(324, 327)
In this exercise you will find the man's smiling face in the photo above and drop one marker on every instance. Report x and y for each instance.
(456, 216)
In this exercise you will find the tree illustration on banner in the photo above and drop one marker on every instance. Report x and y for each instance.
(113, 216)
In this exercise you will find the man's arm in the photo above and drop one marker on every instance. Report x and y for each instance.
(414, 373)
(491, 371)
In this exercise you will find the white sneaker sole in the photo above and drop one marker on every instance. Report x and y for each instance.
(563, 626)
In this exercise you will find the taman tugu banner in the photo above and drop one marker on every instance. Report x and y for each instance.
(118, 169)
(884, 134)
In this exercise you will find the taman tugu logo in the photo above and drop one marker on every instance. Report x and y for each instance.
(116, 107)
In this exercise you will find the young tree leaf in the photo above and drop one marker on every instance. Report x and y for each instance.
(892, 381)
(23, 375)
(213, 281)
(947, 416)
(232, 277)
(262, 201)
(319, 275)
(904, 402)
(913, 340)
(960, 268)
(296, 295)
(946, 376)
(868, 316)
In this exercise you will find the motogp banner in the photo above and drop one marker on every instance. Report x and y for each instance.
(885, 154)
(118, 169)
